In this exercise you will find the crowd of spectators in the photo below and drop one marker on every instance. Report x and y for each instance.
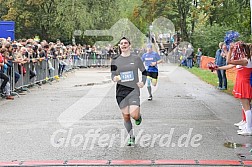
(31, 52)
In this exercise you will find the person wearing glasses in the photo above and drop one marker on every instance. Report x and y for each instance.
(124, 71)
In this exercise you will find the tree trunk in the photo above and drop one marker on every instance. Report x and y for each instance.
(183, 26)
(195, 2)
(212, 13)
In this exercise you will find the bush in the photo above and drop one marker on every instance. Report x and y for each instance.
(208, 38)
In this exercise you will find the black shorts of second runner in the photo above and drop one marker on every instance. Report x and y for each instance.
(126, 100)
(153, 75)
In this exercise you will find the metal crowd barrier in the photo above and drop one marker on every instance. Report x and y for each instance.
(43, 70)
(85, 60)
(47, 70)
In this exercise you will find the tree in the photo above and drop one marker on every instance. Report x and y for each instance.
(3, 8)
(208, 38)
(52, 19)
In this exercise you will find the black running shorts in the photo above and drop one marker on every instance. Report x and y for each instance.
(153, 75)
(127, 100)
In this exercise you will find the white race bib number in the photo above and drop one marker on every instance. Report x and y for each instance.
(127, 76)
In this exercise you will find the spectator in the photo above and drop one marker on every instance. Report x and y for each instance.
(183, 57)
(189, 55)
(5, 86)
(198, 57)
(220, 60)
(242, 88)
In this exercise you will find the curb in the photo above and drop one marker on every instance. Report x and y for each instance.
(127, 163)
(94, 83)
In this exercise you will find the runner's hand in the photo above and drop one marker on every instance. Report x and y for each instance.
(116, 78)
(140, 84)
(153, 63)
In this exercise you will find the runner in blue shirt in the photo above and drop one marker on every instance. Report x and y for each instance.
(151, 59)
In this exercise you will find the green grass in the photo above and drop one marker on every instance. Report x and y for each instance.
(211, 78)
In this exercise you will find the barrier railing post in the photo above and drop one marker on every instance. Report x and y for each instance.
(48, 72)
(24, 87)
(12, 80)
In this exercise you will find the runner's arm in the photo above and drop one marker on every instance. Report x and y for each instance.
(113, 69)
(143, 70)
(159, 60)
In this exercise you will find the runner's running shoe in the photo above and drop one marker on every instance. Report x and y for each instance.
(131, 141)
(138, 122)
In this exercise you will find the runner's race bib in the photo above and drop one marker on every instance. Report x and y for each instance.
(127, 76)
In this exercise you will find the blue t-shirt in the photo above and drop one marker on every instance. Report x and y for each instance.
(148, 58)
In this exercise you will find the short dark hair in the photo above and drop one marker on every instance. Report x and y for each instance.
(125, 39)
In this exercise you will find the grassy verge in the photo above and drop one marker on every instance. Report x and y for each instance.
(211, 78)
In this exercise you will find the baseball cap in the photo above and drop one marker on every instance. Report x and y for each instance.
(149, 45)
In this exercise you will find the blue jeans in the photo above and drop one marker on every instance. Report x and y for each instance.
(189, 63)
(198, 61)
(222, 78)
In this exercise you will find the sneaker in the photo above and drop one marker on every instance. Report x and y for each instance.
(239, 131)
(245, 132)
(243, 126)
(149, 98)
(9, 97)
(131, 141)
(240, 123)
(138, 122)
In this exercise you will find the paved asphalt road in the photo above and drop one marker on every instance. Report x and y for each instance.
(73, 119)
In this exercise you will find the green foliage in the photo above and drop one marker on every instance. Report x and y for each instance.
(53, 19)
(197, 20)
(3, 8)
(214, 19)
(208, 38)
